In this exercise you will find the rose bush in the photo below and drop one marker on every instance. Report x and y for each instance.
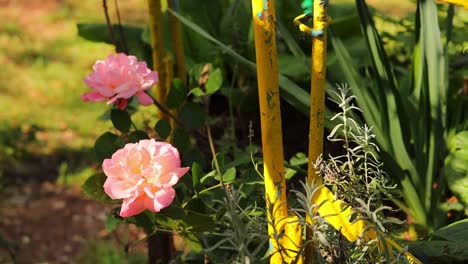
(118, 78)
(142, 174)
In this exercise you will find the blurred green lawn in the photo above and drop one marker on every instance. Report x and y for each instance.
(43, 62)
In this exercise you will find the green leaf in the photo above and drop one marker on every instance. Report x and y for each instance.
(121, 120)
(181, 139)
(177, 94)
(106, 145)
(289, 173)
(133, 36)
(215, 81)
(137, 135)
(197, 173)
(145, 219)
(192, 116)
(196, 205)
(163, 128)
(299, 159)
(235, 163)
(199, 223)
(174, 212)
(456, 232)
(197, 91)
(441, 251)
(220, 159)
(194, 155)
(456, 168)
(166, 222)
(229, 175)
(192, 241)
(94, 187)
(291, 67)
(196, 70)
(112, 222)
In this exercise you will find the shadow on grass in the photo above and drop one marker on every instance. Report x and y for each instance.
(26, 157)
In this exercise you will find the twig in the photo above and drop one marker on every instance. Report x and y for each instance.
(122, 35)
(109, 26)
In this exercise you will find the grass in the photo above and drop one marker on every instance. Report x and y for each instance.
(106, 253)
(43, 62)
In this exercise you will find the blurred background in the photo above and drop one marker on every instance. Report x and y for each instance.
(47, 132)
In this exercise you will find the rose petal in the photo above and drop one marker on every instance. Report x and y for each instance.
(132, 206)
(144, 98)
(92, 97)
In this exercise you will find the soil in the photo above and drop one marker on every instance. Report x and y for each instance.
(53, 223)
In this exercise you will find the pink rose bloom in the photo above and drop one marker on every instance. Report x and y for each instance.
(142, 174)
(118, 78)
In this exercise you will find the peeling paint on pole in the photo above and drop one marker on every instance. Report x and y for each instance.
(281, 249)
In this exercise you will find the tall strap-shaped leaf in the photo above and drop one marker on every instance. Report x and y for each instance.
(393, 105)
(429, 83)
(372, 112)
(386, 92)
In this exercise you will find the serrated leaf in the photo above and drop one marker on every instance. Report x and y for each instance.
(163, 128)
(94, 187)
(121, 120)
(107, 144)
(177, 94)
(137, 135)
(192, 116)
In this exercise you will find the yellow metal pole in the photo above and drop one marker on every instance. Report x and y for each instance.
(336, 211)
(463, 3)
(282, 248)
(317, 105)
(158, 53)
(317, 93)
(177, 44)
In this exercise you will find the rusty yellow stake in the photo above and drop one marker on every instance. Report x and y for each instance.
(336, 211)
(317, 93)
(158, 54)
(463, 3)
(317, 103)
(284, 231)
(177, 44)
